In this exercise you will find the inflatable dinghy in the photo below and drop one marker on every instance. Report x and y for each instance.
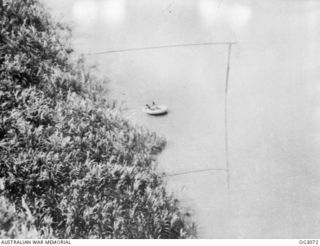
(155, 110)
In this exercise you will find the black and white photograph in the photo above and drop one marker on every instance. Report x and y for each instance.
(159, 119)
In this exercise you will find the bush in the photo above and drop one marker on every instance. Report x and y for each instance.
(19, 224)
(70, 165)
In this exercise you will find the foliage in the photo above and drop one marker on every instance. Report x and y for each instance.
(70, 165)
(19, 224)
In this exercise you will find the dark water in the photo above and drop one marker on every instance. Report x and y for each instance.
(273, 105)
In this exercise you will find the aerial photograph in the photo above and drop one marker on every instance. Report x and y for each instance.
(159, 119)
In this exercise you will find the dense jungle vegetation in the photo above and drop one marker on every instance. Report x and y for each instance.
(70, 165)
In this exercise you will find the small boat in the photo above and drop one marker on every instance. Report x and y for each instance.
(155, 109)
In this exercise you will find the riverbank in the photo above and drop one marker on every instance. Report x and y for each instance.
(71, 165)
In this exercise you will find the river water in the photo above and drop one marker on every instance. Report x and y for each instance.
(273, 102)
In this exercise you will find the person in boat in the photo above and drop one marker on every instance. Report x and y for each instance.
(153, 106)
